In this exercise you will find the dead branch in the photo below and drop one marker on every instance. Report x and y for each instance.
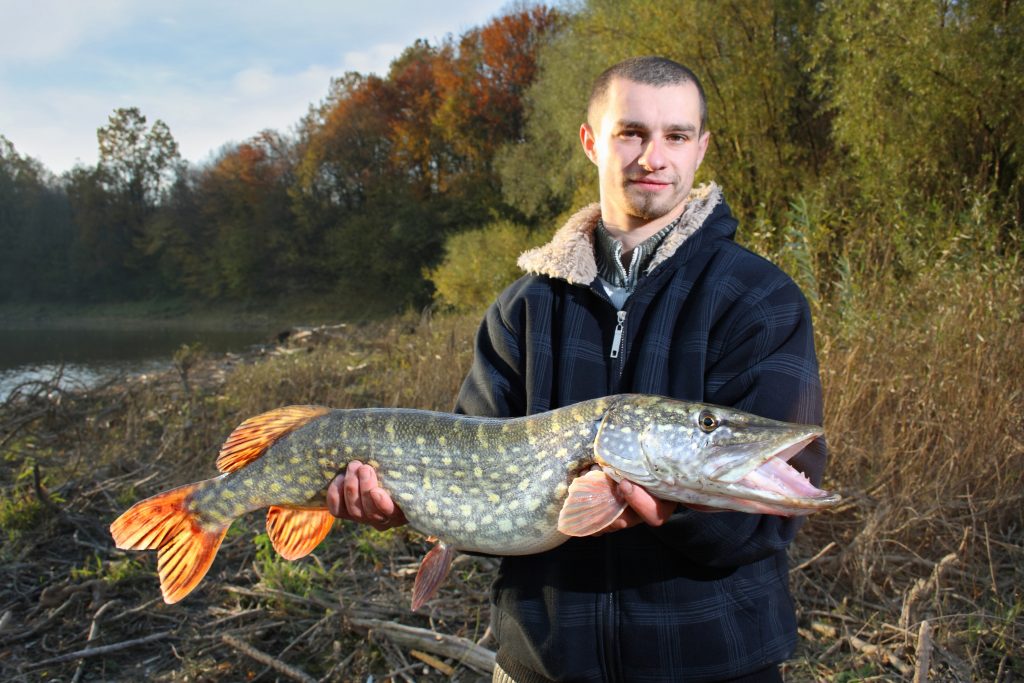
(101, 650)
(94, 630)
(922, 589)
(464, 651)
(882, 652)
(433, 661)
(268, 660)
(807, 563)
(924, 652)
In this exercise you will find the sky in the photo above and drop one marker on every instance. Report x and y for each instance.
(215, 72)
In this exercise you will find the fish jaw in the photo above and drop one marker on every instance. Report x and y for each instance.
(709, 455)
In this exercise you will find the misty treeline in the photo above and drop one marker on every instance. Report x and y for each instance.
(850, 137)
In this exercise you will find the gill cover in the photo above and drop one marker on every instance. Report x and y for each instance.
(627, 433)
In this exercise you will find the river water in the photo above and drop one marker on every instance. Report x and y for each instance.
(85, 357)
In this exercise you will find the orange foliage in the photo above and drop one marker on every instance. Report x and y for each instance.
(441, 112)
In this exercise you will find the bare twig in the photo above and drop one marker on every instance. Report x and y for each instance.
(101, 650)
(264, 658)
(922, 589)
(924, 652)
(884, 653)
(94, 630)
(807, 563)
(433, 661)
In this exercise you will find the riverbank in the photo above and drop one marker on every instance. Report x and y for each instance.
(270, 315)
(923, 559)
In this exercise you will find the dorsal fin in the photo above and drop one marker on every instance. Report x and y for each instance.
(254, 436)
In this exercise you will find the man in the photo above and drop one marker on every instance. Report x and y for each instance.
(646, 292)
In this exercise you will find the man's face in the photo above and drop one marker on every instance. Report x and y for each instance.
(647, 146)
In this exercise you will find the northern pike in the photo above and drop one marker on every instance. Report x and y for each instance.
(498, 486)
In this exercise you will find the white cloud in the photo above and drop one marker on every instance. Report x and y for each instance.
(219, 74)
(44, 30)
(376, 59)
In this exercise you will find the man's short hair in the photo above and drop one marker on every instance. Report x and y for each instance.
(656, 71)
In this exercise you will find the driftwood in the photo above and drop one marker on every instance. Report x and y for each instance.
(460, 649)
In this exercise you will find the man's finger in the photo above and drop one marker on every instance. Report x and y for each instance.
(383, 502)
(367, 483)
(651, 510)
(353, 499)
(334, 493)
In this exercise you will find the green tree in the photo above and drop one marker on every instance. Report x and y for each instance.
(35, 230)
(479, 264)
(113, 202)
(765, 138)
(926, 99)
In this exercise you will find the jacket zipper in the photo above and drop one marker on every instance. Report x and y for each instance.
(617, 338)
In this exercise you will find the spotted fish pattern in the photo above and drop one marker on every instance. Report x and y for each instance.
(500, 486)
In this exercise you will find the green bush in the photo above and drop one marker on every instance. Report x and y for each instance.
(478, 264)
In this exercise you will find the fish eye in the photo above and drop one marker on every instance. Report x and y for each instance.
(707, 422)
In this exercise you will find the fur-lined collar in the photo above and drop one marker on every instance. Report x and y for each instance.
(570, 253)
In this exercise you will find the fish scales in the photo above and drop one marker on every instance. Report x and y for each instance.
(479, 484)
(499, 486)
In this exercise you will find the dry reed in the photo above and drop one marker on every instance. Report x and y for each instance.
(921, 567)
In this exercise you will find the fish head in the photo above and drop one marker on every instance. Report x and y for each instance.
(701, 453)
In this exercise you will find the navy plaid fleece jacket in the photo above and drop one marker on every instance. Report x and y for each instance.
(704, 597)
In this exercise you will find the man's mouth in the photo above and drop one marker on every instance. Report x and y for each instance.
(650, 184)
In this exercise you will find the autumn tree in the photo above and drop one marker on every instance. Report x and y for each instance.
(388, 167)
(247, 221)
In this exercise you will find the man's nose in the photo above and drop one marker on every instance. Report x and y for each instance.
(653, 158)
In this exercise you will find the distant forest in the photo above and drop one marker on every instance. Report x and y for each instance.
(843, 134)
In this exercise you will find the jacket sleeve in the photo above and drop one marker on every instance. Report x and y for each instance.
(494, 386)
(766, 366)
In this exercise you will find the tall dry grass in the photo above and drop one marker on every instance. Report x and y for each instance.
(924, 389)
(923, 380)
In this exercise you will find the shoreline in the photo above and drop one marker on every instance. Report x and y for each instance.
(267, 317)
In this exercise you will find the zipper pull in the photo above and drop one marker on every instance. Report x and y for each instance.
(617, 339)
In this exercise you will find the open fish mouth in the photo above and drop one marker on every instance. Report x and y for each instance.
(775, 480)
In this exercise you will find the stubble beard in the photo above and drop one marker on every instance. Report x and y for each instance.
(649, 206)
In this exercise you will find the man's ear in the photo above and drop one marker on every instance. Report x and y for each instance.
(702, 147)
(588, 140)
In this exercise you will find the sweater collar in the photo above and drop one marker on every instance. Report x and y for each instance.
(570, 253)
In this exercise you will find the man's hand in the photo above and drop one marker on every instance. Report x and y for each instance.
(643, 508)
(356, 495)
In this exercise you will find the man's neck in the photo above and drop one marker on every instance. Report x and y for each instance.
(632, 236)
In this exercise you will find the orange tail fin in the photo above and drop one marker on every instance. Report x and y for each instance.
(185, 548)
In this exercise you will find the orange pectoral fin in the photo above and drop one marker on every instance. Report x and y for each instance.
(593, 503)
(185, 548)
(295, 532)
(433, 571)
(253, 437)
